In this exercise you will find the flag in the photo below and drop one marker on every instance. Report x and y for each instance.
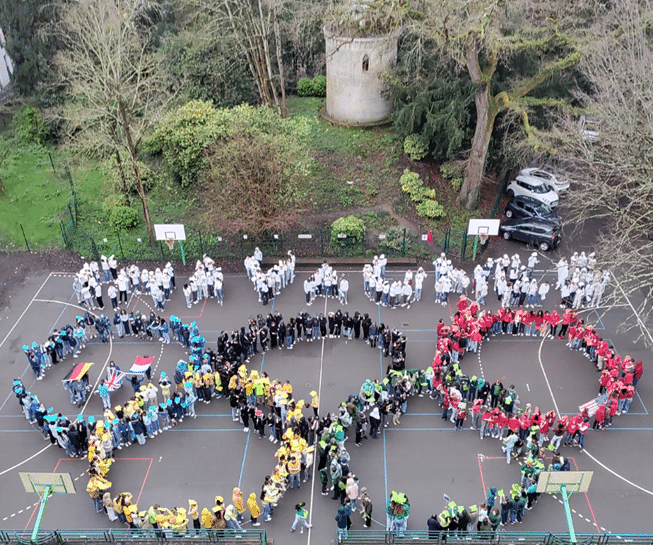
(114, 379)
(141, 365)
(78, 371)
(429, 237)
(593, 405)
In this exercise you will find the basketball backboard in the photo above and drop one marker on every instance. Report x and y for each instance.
(551, 482)
(59, 483)
(485, 227)
(169, 231)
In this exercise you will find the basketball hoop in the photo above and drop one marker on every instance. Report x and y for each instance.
(170, 243)
(483, 239)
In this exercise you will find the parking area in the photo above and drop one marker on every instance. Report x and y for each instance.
(423, 456)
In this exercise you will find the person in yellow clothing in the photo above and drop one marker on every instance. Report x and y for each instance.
(194, 513)
(315, 402)
(180, 521)
(130, 510)
(96, 487)
(239, 504)
(294, 470)
(254, 509)
(207, 518)
(287, 387)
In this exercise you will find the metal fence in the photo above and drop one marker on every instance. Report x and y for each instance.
(248, 537)
(393, 242)
(472, 538)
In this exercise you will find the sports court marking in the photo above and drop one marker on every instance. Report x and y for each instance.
(482, 457)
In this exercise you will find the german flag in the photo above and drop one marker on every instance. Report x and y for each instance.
(77, 372)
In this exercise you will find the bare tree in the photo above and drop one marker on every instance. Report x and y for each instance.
(251, 25)
(612, 191)
(110, 75)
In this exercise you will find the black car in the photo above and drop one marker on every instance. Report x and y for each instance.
(543, 234)
(526, 207)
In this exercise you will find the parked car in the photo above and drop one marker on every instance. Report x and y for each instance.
(543, 234)
(527, 207)
(589, 128)
(547, 177)
(532, 187)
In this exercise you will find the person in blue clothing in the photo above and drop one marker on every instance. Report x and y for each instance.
(104, 393)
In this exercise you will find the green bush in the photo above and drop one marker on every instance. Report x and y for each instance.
(394, 239)
(351, 226)
(416, 147)
(430, 209)
(319, 86)
(305, 87)
(123, 218)
(454, 171)
(414, 186)
(30, 127)
(111, 202)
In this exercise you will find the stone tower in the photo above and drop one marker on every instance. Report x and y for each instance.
(354, 63)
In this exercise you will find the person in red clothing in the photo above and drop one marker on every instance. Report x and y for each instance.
(583, 428)
(524, 422)
(476, 413)
(599, 417)
(572, 428)
(639, 371)
(462, 304)
(602, 352)
(613, 406)
(461, 415)
(568, 318)
(553, 320)
(485, 423)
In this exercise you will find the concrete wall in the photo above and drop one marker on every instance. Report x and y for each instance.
(353, 92)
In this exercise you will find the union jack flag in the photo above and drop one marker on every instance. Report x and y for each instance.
(114, 379)
(593, 405)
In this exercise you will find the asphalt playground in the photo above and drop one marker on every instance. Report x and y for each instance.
(423, 456)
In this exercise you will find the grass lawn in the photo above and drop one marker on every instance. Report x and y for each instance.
(35, 197)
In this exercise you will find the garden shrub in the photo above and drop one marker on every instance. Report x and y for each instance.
(416, 147)
(454, 171)
(305, 87)
(123, 218)
(30, 127)
(430, 209)
(351, 226)
(111, 202)
(319, 86)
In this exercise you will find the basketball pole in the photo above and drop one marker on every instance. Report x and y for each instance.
(37, 526)
(183, 256)
(570, 521)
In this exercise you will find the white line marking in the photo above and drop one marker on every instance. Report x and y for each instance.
(24, 311)
(528, 387)
(546, 378)
(619, 476)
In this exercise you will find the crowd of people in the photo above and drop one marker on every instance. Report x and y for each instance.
(267, 406)
(269, 284)
(400, 293)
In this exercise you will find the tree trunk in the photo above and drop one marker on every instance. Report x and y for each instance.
(125, 190)
(486, 113)
(485, 116)
(282, 77)
(139, 183)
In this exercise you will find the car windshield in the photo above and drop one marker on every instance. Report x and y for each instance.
(539, 188)
(544, 210)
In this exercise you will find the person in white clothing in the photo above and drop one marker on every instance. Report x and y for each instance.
(419, 281)
(343, 289)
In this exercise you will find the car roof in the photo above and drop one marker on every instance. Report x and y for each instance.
(537, 172)
(532, 180)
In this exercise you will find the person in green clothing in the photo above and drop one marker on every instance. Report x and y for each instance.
(495, 518)
(301, 516)
(400, 508)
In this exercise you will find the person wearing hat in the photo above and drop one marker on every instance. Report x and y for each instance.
(194, 514)
(218, 514)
